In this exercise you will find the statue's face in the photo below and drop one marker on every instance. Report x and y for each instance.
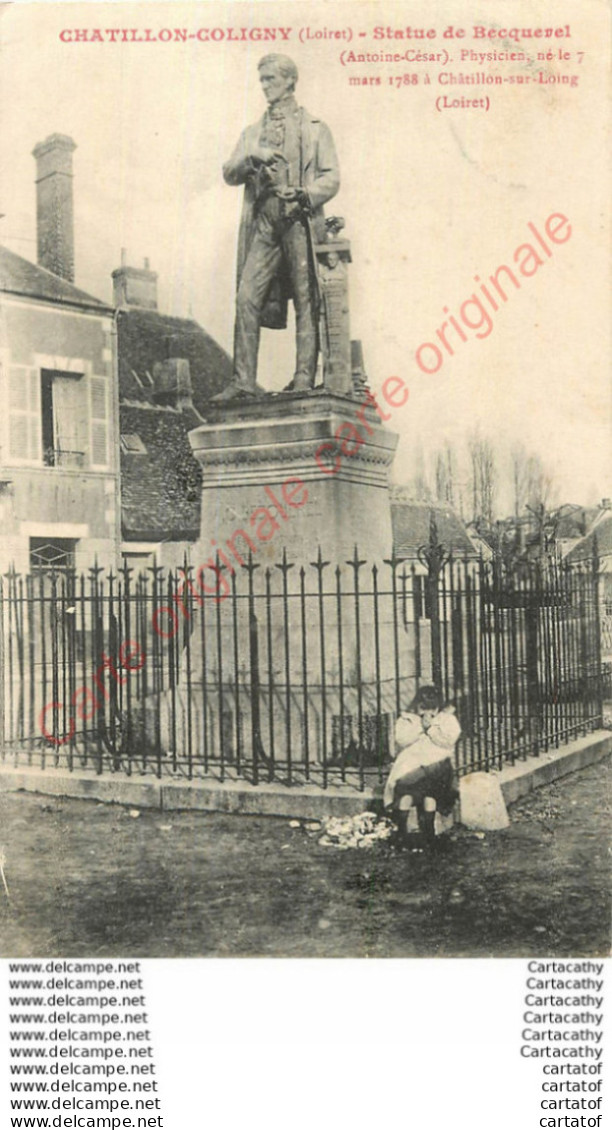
(274, 85)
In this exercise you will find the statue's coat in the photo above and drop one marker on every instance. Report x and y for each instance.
(320, 179)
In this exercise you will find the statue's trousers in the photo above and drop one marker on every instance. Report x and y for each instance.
(277, 246)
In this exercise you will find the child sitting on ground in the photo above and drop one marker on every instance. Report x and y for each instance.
(422, 777)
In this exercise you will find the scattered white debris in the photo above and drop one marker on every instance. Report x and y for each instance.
(324, 924)
(165, 827)
(361, 831)
(294, 824)
(314, 826)
(134, 812)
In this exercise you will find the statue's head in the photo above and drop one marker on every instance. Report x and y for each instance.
(278, 76)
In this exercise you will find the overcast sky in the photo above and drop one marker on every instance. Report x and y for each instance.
(430, 200)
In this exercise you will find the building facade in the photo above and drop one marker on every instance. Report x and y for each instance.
(59, 467)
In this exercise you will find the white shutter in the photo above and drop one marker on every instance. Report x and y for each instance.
(24, 415)
(69, 407)
(99, 421)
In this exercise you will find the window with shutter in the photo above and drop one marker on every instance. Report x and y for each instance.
(24, 415)
(99, 421)
(64, 418)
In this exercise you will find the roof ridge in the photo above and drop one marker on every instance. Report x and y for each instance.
(92, 300)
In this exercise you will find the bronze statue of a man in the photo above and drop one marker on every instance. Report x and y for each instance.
(287, 163)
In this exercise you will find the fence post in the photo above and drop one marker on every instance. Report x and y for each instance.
(434, 557)
(2, 684)
(599, 676)
(257, 749)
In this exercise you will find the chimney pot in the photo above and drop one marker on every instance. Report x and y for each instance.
(135, 286)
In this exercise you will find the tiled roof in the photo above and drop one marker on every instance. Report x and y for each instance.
(573, 521)
(145, 336)
(19, 276)
(584, 550)
(411, 526)
(160, 490)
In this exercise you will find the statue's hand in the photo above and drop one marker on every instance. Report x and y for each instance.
(287, 193)
(292, 195)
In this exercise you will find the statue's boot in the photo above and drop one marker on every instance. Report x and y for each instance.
(301, 382)
(238, 390)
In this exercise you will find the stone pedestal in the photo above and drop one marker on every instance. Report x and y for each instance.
(294, 615)
(253, 455)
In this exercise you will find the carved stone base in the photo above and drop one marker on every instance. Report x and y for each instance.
(255, 456)
(292, 651)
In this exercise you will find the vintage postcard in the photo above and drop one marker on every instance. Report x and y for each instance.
(306, 532)
(305, 561)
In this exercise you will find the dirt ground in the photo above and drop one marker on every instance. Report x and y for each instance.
(89, 879)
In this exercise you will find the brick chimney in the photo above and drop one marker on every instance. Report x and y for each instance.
(134, 286)
(54, 205)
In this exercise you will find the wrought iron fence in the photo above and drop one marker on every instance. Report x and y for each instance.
(294, 672)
